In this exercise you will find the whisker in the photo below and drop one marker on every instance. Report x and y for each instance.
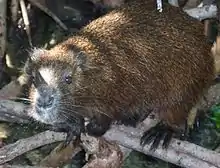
(73, 96)
(64, 110)
(67, 116)
(63, 115)
(72, 105)
(20, 98)
(79, 106)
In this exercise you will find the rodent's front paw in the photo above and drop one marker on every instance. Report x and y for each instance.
(69, 137)
(73, 132)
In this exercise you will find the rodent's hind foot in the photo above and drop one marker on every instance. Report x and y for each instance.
(156, 134)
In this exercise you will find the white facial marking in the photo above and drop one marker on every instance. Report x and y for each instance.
(49, 75)
(49, 115)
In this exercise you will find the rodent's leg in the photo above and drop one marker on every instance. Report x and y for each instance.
(98, 127)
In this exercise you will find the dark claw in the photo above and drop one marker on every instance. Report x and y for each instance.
(196, 124)
(167, 139)
(158, 133)
(148, 136)
(217, 79)
(157, 140)
(195, 127)
(185, 134)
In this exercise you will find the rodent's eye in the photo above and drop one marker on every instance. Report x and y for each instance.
(68, 79)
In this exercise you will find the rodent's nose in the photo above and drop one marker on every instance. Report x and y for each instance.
(46, 97)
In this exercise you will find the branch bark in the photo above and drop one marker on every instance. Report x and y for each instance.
(104, 154)
(49, 13)
(3, 7)
(22, 146)
(13, 88)
(58, 157)
(20, 166)
(13, 112)
(201, 13)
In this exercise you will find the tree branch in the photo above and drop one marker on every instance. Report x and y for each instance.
(22, 146)
(13, 112)
(201, 13)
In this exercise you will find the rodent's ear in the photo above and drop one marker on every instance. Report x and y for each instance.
(81, 61)
(37, 54)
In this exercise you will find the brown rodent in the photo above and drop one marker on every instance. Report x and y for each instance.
(122, 66)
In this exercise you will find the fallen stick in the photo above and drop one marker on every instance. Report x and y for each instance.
(201, 13)
(13, 112)
(20, 166)
(181, 153)
(14, 88)
(59, 157)
(22, 146)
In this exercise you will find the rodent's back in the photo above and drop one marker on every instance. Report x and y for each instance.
(147, 60)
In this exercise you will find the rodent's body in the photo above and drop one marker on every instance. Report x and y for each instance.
(133, 61)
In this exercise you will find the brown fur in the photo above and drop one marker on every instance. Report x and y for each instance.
(136, 59)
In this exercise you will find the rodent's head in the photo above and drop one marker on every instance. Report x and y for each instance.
(53, 86)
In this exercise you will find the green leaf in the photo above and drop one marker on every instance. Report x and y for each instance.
(216, 115)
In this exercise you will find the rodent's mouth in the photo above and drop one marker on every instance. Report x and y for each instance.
(57, 111)
(48, 116)
(45, 106)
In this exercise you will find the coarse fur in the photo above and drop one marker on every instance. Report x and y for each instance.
(121, 66)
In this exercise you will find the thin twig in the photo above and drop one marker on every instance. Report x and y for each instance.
(26, 20)
(3, 8)
(50, 13)
(20, 166)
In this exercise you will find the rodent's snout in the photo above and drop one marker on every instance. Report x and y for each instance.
(46, 97)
